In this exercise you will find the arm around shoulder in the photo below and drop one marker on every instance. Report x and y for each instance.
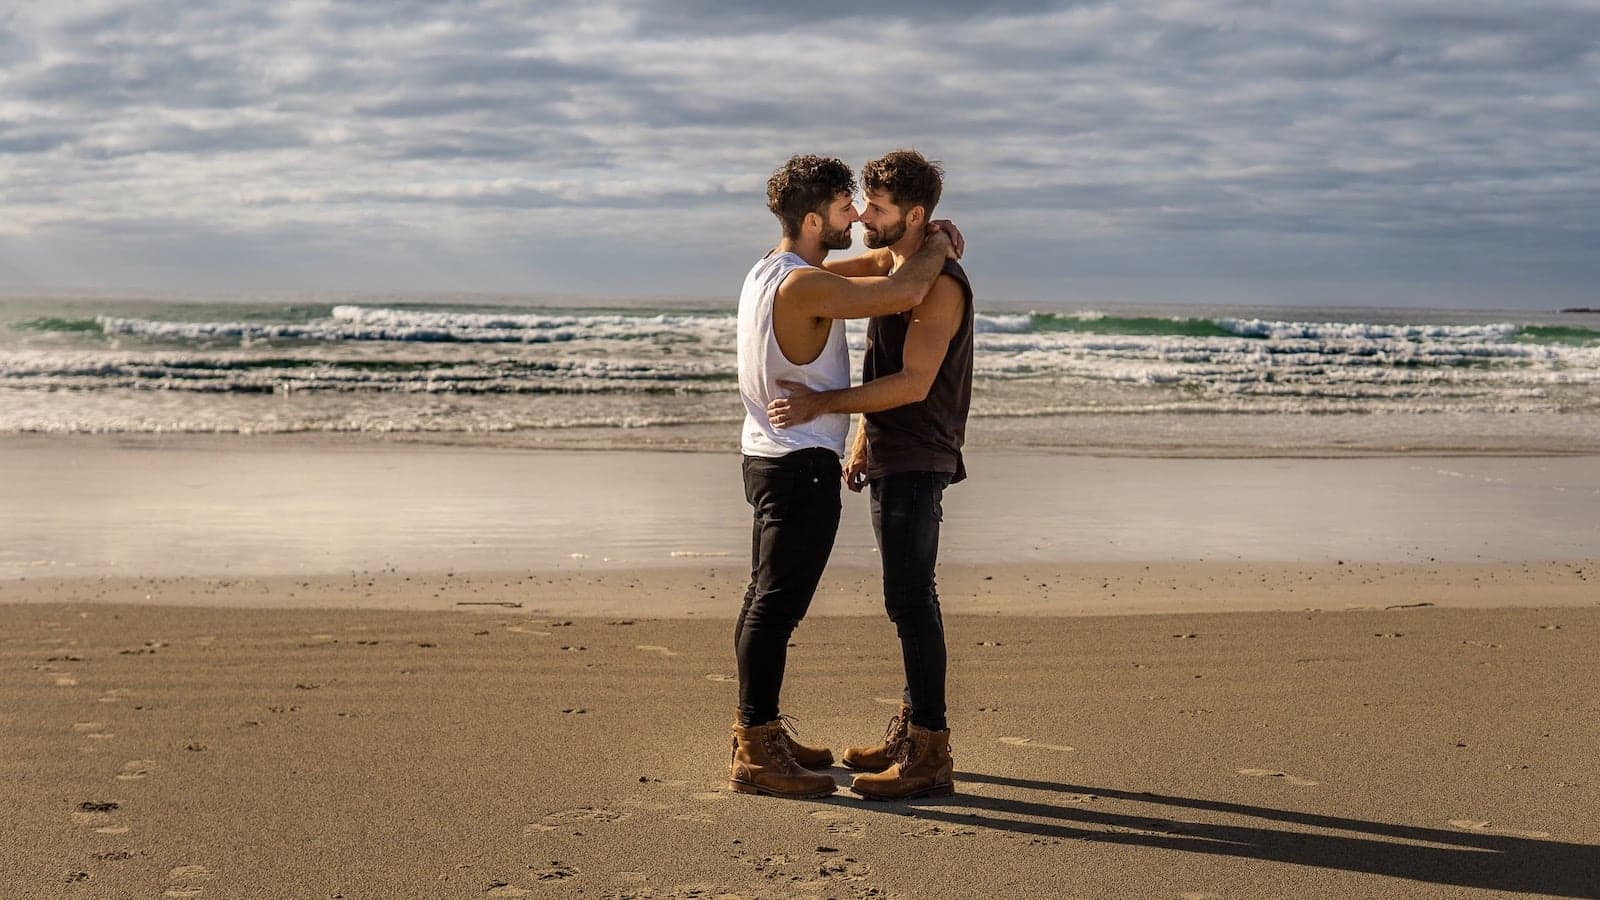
(824, 295)
(865, 265)
(927, 340)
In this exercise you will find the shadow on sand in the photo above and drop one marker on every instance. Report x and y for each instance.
(1459, 858)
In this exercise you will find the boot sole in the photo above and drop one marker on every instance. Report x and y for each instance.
(938, 790)
(850, 765)
(744, 787)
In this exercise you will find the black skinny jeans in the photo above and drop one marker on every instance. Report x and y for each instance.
(795, 499)
(906, 512)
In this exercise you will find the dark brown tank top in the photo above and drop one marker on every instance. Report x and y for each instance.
(925, 436)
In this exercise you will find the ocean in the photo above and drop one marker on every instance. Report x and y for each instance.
(452, 365)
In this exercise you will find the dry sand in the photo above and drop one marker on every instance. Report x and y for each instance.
(714, 591)
(246, 752)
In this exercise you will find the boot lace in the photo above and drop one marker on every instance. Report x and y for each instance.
(779, 747)
(790, 726)
(896, 732)
(905, 751)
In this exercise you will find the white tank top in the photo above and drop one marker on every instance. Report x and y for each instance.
(762, 364)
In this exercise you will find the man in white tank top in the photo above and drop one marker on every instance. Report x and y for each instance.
(790, 329)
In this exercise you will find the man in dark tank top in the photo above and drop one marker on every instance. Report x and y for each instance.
(916, 390)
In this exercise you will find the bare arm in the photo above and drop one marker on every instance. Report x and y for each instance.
(928, 337)
(856, 461)
(873, 262)
(881, 261)
(820, 294)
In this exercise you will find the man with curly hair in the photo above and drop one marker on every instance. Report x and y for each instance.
(917, 387)
(790, 329)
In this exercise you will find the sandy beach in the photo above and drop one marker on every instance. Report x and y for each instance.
(375, 379)
(215, 683)
(212, 752)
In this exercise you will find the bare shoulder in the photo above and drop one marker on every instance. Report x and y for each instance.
(946, 301)
(804, 283)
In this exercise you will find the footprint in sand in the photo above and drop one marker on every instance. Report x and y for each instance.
(65, 679)
(518, 629)
(1273, 773)
(1479, 825)
(92, 730)
(556, 872)
(187, 881)
(96, 814)
(939, 831)
(832, 869)
(699, 889)
(839, 823)
(135, 769)
(583, 815)
(721, 679)
(115, 695)
(654, 649)
(1028, 742)
(700, 817)
(501, 889)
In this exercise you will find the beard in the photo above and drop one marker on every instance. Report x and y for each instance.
(886, 236)
(836, 240)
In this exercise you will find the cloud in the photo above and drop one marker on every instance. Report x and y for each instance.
(1247, 141)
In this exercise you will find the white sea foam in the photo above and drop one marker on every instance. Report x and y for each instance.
(1278, 331)
(1001, 324)
(355, 323)
(380, 369)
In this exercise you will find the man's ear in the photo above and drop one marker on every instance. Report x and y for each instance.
(811, 222)
(917, 217)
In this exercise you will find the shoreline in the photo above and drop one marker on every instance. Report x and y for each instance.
(1130, 435)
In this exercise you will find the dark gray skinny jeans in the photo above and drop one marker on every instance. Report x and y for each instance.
(907, 509)
(795, 501)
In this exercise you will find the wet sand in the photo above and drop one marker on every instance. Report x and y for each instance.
(242, 507)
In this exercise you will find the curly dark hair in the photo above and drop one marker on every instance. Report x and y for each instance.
(909, 178)
(806, 184)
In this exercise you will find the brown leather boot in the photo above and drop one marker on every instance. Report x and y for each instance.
(762, 764)
(923, 768)
(809, 757)
(876, 759)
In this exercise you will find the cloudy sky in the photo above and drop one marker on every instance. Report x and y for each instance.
(1395, 152)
